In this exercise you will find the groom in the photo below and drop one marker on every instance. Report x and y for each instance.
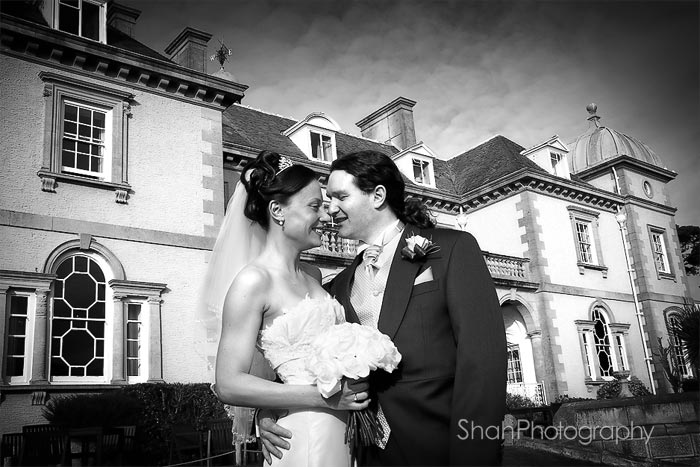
(439, 308)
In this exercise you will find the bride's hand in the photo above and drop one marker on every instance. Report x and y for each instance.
(353, 395)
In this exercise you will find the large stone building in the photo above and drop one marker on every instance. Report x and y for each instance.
(118, 162)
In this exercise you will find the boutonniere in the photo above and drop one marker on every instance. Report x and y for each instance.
(418, 248)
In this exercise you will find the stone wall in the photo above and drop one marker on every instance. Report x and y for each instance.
(662, 427)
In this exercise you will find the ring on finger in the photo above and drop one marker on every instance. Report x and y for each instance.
(354, 397)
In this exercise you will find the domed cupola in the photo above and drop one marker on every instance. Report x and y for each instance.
(600, 143)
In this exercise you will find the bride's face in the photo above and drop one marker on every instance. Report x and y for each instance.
(303, 215)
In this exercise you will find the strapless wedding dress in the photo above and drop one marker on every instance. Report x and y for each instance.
(317, 434)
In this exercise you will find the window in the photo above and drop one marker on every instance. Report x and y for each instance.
(87, 142)
(515, 372)
(677, 351)
(602, 343)
(621, 352)
(555, 159)
(583, 241)
(23, 297)
(18, 350)
(133, 340)
(421, 171)
(603, 346)
(584, 225)
(84, 141)
(85, 18)
(78, 320)
(90, 326)
(658, 247)
(321, 147)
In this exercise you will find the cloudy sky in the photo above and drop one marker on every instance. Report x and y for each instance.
(522, 69)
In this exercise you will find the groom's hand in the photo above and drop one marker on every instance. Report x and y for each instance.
(271, 434)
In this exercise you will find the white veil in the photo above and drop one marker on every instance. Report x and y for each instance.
(240, 240)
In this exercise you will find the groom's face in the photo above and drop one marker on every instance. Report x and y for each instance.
(352, 209)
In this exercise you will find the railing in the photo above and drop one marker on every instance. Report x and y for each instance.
(507, 267)
(533, 391)
(500, 266)
(333, 245)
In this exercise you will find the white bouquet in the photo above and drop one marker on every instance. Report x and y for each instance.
(351, 350)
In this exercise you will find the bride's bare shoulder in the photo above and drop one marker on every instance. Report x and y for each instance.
(252, 278)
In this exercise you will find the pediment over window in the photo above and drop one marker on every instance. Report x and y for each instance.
(315, 136)
(416, 163)
(551, 155)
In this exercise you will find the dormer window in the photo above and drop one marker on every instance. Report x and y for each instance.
(85, 18)
(321, 147)
(555, 159)
(421, 171)
(315, 136)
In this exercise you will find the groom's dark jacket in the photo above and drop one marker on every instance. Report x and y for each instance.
(450, 333)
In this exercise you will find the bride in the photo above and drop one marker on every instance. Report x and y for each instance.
(276, 304)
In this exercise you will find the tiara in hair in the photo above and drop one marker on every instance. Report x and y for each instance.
(283, 164)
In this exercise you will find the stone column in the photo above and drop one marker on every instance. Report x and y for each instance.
(40, 351)
(118, 333)
(155, 361)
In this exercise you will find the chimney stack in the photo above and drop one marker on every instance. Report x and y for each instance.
(392, 124)
(189, 49)
(122, 18)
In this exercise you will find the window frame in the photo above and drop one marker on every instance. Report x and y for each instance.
(676, 346)
(555, 159)
(616, 332)
(579, 215)
(108, 323)
(102, 20)
(37, 286)
(514, 365)
(61, 89)
(660, 273)
(142, 341)
(426, 164)
(331, 139)
(28, 335)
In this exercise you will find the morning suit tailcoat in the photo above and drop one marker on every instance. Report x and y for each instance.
(451, 336)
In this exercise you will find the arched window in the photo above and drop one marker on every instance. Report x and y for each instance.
(601, 337)
(677, 352)
(603, 345)
(78, 319)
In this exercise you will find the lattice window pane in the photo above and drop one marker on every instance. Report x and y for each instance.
(78, 320)
(602, 344)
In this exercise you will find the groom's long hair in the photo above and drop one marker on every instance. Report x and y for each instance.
(373, 168)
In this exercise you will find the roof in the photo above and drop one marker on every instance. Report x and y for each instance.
(480, 165)
(117, 38)
(29, 11)
(599, 144)
(258, 130)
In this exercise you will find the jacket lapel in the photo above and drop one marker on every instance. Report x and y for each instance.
(399, 285)
(345, 280)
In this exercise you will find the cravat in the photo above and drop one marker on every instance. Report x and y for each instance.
(363, 280)
(370, 257)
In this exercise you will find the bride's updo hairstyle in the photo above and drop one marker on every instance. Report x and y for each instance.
(265, 182)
